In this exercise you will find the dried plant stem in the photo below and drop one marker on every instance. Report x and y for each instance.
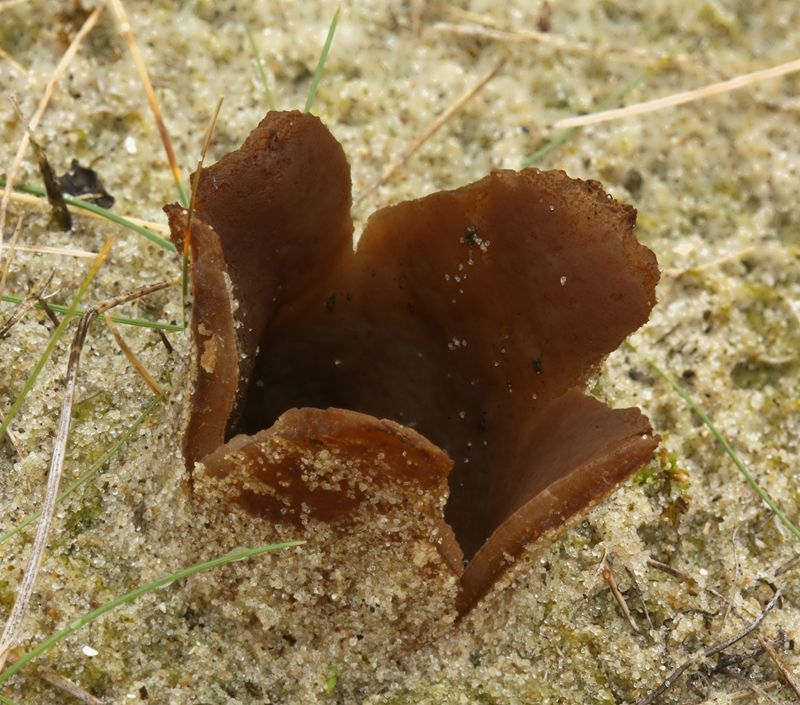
(64, 684)
(10, 256)
(670, 101)
(12, 438)
(788, 676)
(58, 251)
(136, 363)
(25, 591)
(144, 77)
(440, 120)
(717, 648)
(69, 55)
(11, 60)
(608, 576)
(31, 195)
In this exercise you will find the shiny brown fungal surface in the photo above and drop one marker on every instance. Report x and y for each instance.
(469, 318)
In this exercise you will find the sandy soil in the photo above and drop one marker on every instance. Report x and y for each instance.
(716, 186)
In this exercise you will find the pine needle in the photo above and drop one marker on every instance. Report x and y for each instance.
(144, 77)
(670, 101)
(323, 58)
(10, 256)
(129, 597)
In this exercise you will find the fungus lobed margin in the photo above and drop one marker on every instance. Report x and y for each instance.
(471, 318)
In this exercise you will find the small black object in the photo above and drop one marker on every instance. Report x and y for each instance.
(82, 181)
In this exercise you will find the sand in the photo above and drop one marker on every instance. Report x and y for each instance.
(715, 184)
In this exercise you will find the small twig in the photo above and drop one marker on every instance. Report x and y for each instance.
(678, 672)
(675, 573)
(27, 304)
(136, 363)
(144, 77)
(670, 101)
(608, 576)
(787, 674)
(69, 55)
(758, 690)
(48, 311)
(748, 692)
(440, 120)
(791, 563)
(25, 591)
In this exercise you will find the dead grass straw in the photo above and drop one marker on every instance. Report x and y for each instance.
(732, 84)
(144, 77)
(429, 131)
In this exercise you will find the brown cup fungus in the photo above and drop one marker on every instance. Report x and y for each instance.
(437, 370)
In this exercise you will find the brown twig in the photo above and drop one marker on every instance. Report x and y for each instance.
(15, 618)
(69, 55)
(791, 563)
(758, 690)
(670, 680)
(608, 576)
(440, 120)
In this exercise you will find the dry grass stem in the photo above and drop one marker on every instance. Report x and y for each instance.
(144, 77)
(55, 473)
(747, 693)
(187, 234)
(41, 203)
(608, 576)
(136, 363)
(58, 251)
(670, 101)
(66, 59)
(442, 118)
(787, 674)
(12, 248)
(11, 60)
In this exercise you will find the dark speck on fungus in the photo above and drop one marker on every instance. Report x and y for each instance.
(451, 348)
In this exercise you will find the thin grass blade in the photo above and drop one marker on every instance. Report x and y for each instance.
(323, 58)
(134, 594)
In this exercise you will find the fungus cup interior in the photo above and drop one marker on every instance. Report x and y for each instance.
(471, 318)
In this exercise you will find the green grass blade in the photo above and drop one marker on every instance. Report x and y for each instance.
(134, 594)
(703, 416)
(323, 57)
(262, 70)
(67, 311)
(57, 333)
(5, 701)
(608, 102)
(104, 212)
(95, 467)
